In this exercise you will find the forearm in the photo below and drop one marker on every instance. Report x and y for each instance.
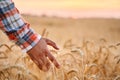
(15, 27)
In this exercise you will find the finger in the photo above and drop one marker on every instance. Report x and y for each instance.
(40, 64)
(35, 61)
(44, 58)
(51, 43)
(46, 63)
(53, 60)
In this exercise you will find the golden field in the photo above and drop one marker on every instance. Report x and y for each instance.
(89, 50)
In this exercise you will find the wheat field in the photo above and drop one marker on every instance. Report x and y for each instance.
(89, 50)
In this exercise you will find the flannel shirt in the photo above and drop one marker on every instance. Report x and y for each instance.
(15, 27)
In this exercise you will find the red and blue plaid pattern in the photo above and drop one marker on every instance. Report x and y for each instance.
(15, 27)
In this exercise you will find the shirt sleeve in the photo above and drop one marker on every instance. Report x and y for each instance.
(15, 27)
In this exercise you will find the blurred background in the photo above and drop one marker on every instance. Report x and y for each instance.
(83, 19)
(71, 8)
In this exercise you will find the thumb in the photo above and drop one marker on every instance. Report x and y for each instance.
(51, 43)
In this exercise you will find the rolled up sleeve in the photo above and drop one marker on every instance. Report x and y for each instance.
(15, 27)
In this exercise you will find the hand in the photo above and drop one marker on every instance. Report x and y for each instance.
(41, 55)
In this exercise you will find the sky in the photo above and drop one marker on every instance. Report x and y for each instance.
(70, 8)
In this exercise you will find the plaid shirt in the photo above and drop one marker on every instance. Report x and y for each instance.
(15, 27)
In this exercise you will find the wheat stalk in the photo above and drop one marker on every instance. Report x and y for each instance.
(2, 45)
(18, 68)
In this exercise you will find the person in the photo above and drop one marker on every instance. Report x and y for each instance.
(20, 32)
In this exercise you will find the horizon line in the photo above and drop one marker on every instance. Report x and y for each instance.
(76, 15)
